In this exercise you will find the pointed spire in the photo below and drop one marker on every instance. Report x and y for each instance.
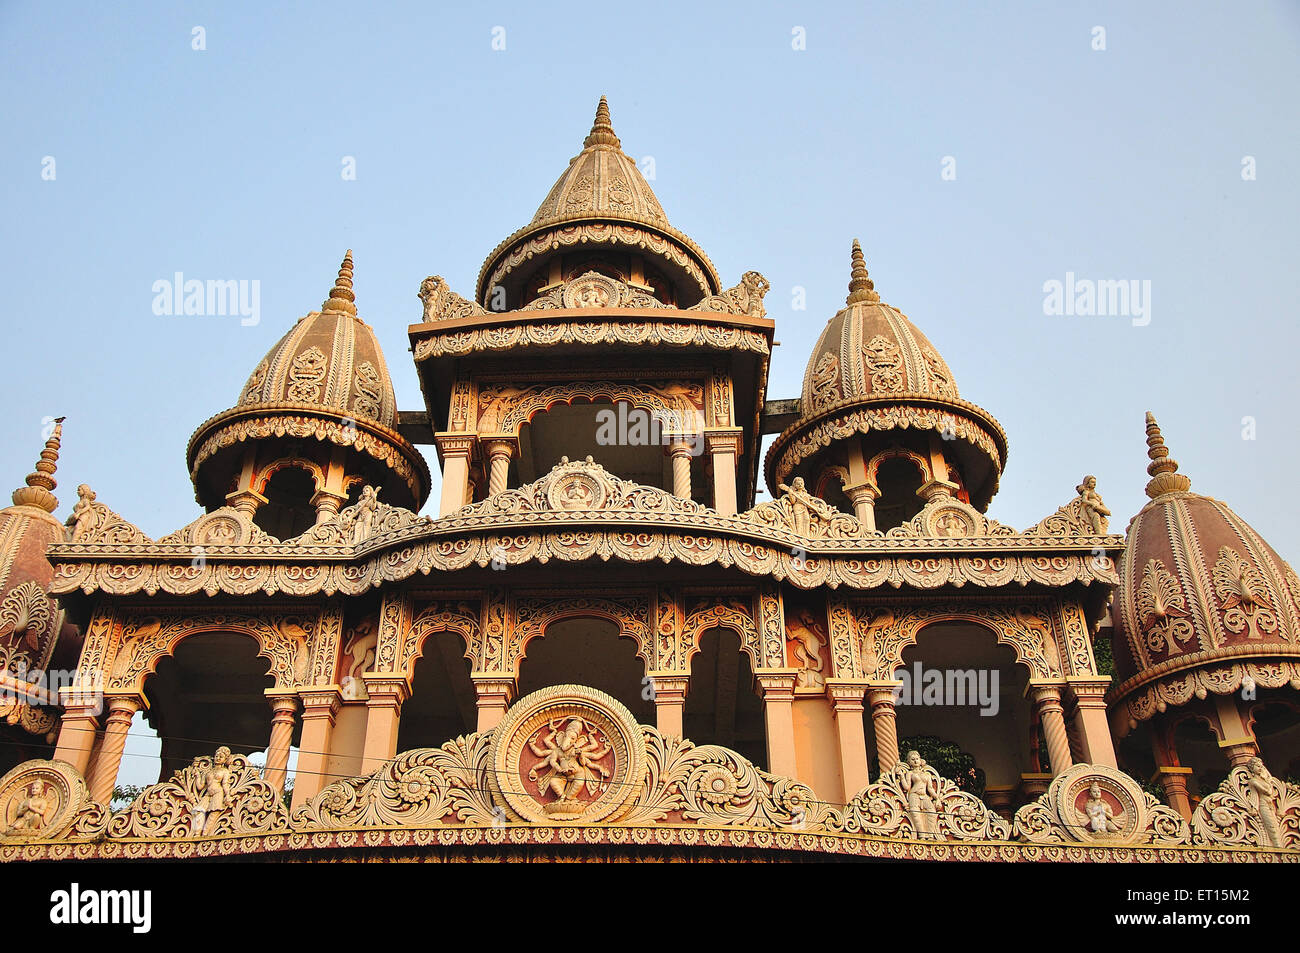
(602, 130)
(41, 481)
(341, 297)
(1163, 468)
(861, 287)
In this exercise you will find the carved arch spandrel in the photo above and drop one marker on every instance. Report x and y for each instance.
(888, 628)
(721, 614)
(511, 408)
(395, 615)
(283, 637)
(533, 614)
(446, 615)
(891, 453)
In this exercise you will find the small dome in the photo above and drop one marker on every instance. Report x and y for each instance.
(601, 201)
(870, 349)
(1198, 585)
(331, 359)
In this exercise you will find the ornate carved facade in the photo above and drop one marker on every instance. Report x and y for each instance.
(598, 640)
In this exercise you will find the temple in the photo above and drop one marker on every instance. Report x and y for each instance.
(599, 643)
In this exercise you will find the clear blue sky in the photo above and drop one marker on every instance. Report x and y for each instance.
(225, 163)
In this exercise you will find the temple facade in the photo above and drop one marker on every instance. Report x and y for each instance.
(603, 645)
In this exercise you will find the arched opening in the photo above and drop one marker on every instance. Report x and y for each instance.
(210, 692)
(589, 651)
(288, 511)
(1198, 749)
(964, 692)
(443, 704)
(1276, 724)
(722, 707)
(898, 479)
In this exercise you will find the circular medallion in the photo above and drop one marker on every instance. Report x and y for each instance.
(951, 523)
(1099, 804)
(568, 753)
(576, 491)
(39, 800)
(592, 290)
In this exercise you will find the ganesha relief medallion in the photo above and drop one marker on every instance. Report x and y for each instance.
(568, 753)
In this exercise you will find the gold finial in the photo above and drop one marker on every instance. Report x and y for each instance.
(341, 297)
(1163, 468)
(861, 287)
(602, 131)
(41, 481)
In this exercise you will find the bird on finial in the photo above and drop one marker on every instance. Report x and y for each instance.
(602, 130)
(41, 481)
(341, 297)
(861, 287)
(1163, 468)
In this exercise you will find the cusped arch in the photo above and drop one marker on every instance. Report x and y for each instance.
(891, 453)
(432, 621)
(1028, 642)
(288, 463)
(147, 640)
(722, 617)
(538, 621)
(524, 407)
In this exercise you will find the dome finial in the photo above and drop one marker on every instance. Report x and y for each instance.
(861, 287)
(41, 481)
(341, 297)
(602, 130)
(1163, 468)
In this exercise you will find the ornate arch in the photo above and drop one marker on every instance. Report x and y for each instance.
(1030, 634)
(283, 640)
(832, 472)
(519, 409)
(265, 473)
(462, 618)
(721, 616)
(873, 465)
(534, 614)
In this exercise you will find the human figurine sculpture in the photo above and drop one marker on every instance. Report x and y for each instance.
(1094, 510)
(800, 505)
(570, 763)
(803, 632)
(364, 522)
(82, 519)
(33, 810)
(429, 294)
(1259, 783)
(922, 793)
(1097, 813)
(215, 795)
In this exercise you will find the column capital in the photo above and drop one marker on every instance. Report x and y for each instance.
(846, 693)
(864, 491)
(246, 501)
(932, 489)
(320, 701)
(723, 439)
(777, 684)
(499, 444)
(669, 683)
(124, 705)
(386, 689)
(453, 444)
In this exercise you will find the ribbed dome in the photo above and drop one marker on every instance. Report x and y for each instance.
(601, 200)
(870, 349)
(1198, 584)
(330, 358)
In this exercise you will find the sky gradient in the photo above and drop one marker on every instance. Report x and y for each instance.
(225, 163)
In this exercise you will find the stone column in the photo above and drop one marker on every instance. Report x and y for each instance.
(327, 505)
(454, 450)
(884, 719)
(723, 447)
(679, 449)
(121, 709)
(670, 701)
(1174, 781)
(499, 449)
(495, 693)
(246, 501)
(78, 727)
(1047, 697)
(383, 716)
(778, 713)
(846, 696)
(284, 706)
(319, 707)
(863, 498)
(1090, 720)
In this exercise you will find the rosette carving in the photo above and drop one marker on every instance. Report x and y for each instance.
(912, 800)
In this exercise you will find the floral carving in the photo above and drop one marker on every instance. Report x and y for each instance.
(885, 361)
(893, 806)
(825, 380)
(1162, 609)
(367, 397)
(306, 374)
(1251, 808)
(1091, 803)
(1246, 603)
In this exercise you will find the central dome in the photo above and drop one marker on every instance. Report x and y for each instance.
(601, 214)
